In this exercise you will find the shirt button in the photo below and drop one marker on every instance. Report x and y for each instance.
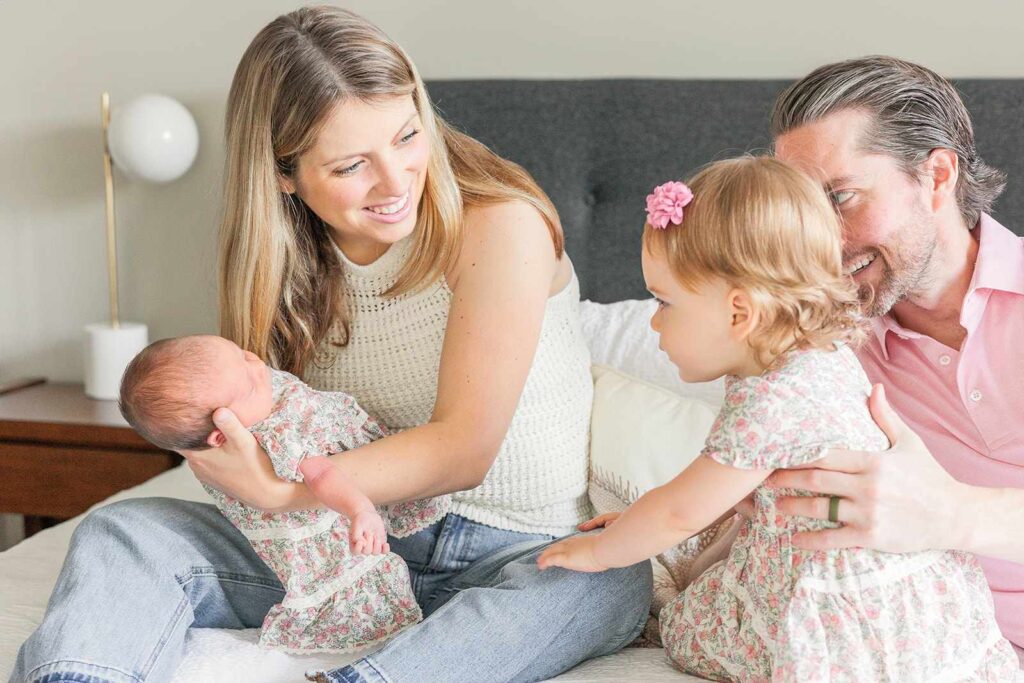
(944, 360)
(975, 395)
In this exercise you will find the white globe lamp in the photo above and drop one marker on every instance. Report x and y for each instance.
(152, 138)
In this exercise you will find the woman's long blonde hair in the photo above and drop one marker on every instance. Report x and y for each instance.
(280, 280)
(763, 226)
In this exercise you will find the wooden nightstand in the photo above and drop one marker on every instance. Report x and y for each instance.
(61, 452)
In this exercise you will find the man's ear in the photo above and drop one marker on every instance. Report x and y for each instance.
(942, 169)
(215, 439)
(745, 314)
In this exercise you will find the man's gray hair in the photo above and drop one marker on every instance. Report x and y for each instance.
(913, 111)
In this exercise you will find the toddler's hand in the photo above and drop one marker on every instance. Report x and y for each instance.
(367, 533)
(605, 520)
(575, 552)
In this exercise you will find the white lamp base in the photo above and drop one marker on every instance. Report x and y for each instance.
(108, 350)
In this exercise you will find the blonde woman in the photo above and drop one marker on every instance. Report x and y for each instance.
(370, 248)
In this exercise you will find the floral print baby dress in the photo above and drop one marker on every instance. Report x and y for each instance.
(772, 612)
(334, 600)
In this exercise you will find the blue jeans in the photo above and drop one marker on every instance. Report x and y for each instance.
(139, 573)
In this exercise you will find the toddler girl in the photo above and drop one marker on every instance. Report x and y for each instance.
(344, 590)
(747, 270)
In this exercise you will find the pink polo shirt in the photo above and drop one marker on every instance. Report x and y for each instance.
(968, 405)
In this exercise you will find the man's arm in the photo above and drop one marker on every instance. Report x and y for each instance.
(996, 522)
(903, 500)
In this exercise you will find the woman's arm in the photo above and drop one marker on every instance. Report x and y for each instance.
(500, 286)
(660, 519)
(903, 500)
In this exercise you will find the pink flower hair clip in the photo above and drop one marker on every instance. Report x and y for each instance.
(665, 204)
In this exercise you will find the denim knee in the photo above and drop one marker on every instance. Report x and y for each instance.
(110, 523)
(124, 523)
(635, 583)
(619, 596)
(627, 592)
(163, 535)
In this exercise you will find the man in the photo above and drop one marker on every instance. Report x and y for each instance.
(943, 283)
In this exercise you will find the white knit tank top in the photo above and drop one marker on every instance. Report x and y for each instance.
(538, 482)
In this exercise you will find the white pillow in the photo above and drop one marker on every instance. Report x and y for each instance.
(619, 336)
(641, 436)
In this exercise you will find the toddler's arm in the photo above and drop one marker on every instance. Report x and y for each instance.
(661, 518)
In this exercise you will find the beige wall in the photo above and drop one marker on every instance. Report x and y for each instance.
(56, 57)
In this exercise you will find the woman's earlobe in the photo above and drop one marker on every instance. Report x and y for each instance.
(286, 185)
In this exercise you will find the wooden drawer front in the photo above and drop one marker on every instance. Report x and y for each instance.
(63, 482)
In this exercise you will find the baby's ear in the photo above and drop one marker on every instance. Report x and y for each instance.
(215, 439)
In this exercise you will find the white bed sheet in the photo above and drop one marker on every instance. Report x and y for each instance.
(29, 570)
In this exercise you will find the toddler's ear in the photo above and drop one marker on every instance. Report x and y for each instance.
(215, 439)
(745, 315)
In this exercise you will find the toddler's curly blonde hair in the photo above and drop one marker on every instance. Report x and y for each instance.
(766, 228)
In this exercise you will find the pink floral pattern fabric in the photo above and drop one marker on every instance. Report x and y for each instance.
(334, 600)
(772, 612)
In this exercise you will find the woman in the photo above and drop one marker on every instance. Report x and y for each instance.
(370, 248)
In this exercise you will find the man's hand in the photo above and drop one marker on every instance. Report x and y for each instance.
(575, 552)
(746, 507)
(900, 500)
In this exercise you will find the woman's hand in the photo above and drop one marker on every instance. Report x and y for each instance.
(239, 468)
(575, 553)
(900, 500)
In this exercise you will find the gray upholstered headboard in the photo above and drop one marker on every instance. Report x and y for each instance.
(598, 147)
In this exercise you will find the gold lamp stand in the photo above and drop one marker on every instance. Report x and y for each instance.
(110, 346)
(108, 176)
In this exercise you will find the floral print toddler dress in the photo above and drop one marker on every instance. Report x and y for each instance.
(772, 612)
(334, 600)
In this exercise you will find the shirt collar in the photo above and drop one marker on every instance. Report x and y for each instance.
(883, 325)
(999, 265)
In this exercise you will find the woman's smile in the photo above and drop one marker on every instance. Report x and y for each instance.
(391, 213)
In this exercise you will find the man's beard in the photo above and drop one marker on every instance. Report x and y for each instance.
(905, 267)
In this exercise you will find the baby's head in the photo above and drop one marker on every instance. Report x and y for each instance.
(752, 269)
(170, 390)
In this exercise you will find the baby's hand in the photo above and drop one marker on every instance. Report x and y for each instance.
(605, 520)
(575, 552)
(367, 533)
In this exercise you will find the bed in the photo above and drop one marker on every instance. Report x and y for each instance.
(29, 570)
(597, 147)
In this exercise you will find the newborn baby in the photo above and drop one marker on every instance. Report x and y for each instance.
(337, 598)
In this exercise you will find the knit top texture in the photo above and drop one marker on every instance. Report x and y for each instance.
(538, 481)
